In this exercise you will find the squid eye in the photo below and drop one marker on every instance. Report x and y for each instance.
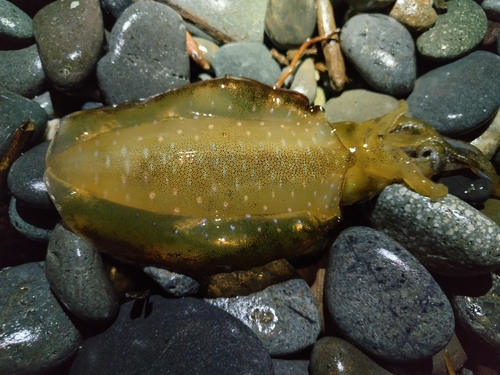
(435, 153)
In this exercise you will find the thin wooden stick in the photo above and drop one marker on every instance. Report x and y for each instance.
(198, 21)
(290, 68)
(331, 48)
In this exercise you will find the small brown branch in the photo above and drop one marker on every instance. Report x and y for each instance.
(21, 137)
(290, 54)
(290, 68)
(198, 21)
(331, 48)
(194, 52)
(279, 57)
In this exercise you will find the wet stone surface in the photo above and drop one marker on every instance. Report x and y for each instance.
(383, 300)
(36, 333)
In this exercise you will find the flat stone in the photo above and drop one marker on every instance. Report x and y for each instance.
(467, 187)
(241, 20)
(77, 276)
(175, 336)
(456, 32)
(448, 237)
(14, 23)
(477, 308)
(173, 283)
(247, 59)
(384, 56)
(284, 316)
(383, 300)
(458, 97)
(14, 111)
(21, 71)
(304, 80)
(70, 36)
(25, 179)
(147, 54)
(335, 356)
(290, 23)
(358, 105)
(492, 9)
(36, 334)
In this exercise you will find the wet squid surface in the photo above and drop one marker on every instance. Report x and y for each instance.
(219, 175)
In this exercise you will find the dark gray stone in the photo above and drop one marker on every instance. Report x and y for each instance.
(447, 236)
(25, 178)
(14, 111)
(21, 71)
(35, 224)
(290, 23)
(70, 36)
(44, 100)
(14, 23)
(458, 97)
(284, 316)
(383, 300)
(77, 276)
(492, 9)
(116, 7)
(456, 32)
(240, 20)
(173, 336)
(290, 367)
(331, 353)
(468, 187)
(173, 283)
(247, 59)
(36, 335)
(147, 54)
(383, 52)
(477, 308)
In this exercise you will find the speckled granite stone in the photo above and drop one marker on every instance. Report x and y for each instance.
(448, 236)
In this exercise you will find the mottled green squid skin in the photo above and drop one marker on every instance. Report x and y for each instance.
(221, 175)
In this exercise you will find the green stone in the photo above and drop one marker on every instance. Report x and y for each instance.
(455, 33)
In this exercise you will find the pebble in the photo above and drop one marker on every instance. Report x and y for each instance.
(175, 284)
(247, 59)
(418, 15)
(77, 276)
(477, 308)
(290, 367)
(468, 187)
(304, 80)
(14, 23)
(44, 100)
(185, 336)
(456, 32)
(491, 9)
(31, 7)
(335, 356)
(289, 23)
(25, 179)
(383, 300)
(147, 54)
(70, 37)
(384, 56)
(358, 105)
(36, 334)
(35, 224)
(458, 97)
(21, 71)
(14, 111)
(240, 21)
(207, 48)
(284, 316)
(448, 237)
(489, 141)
